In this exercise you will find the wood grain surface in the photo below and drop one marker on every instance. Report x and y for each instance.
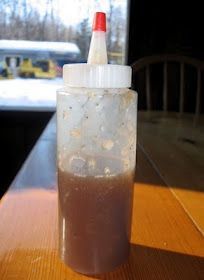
(166, 243)
(175, 146)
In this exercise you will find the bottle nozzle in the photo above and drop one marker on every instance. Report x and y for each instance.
(97, 50)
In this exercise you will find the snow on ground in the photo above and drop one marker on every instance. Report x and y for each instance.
(29, 94)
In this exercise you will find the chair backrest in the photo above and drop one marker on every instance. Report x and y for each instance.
(145, 63)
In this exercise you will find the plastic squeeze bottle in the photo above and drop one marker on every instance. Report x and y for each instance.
(96, 146)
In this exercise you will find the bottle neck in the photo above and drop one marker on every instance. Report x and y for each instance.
(97, 50)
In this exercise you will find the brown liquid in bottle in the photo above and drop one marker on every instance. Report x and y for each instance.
(94, 221)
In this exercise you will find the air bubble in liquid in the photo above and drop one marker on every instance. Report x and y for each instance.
(65, 115)
(75, 133)
(107, 170)
(78, 165)
(107, 144)
(102, 128)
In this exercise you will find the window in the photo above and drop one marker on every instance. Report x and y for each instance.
(37, 37)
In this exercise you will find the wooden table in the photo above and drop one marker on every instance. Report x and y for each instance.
(168, 215)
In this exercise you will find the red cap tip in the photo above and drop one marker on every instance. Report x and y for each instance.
(99, 22)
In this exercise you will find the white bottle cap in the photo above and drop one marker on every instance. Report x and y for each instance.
(97, 75)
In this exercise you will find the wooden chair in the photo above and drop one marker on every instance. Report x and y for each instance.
(145, 63)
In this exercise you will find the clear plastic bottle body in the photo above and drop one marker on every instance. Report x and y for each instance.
(96, 152)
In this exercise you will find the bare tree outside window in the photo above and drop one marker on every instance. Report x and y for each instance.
(22, 20)
(37, 37)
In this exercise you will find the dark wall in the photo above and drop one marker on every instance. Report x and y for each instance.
(165, 27)
(19, 132)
